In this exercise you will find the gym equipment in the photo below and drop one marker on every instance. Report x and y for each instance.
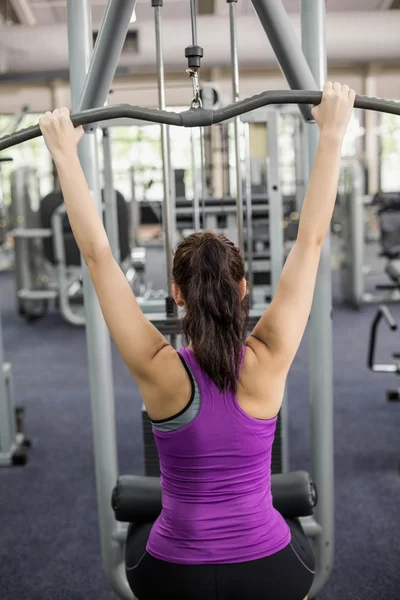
(353, 206)
(6, 255)
(89, 88)
(13, 443)
(198, 117)
(44, 243)
(388, 206)
(320, 323)
(383, 313)
(31, 274)
(351, 215)
(137, 499)
(112, 205)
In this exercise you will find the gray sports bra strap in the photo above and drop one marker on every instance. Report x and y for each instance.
(190, 412)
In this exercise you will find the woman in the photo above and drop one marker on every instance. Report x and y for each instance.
(214, 404)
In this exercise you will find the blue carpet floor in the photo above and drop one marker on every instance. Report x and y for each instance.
(49, 543)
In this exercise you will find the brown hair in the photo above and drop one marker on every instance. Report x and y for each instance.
(208, 270)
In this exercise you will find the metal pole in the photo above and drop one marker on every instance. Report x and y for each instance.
(320, 330)
(134, 213)
(106, 53)
(283, 39)
(168, 204)
(299, 163)
(203, 180)
(196, 199)
(235, 98)
(193, 21)
(249, 213)
(276, 248)
(110, 198)
(357, 233)
(7, 431)
(80, 42)
(275, 202)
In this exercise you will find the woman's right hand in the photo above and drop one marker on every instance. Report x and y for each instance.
(334, 113)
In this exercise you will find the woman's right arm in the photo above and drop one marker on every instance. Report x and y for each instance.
(278, 333)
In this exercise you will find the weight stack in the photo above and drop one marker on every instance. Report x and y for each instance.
(152, 464)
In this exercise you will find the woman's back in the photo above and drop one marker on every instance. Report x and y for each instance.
(216, 475)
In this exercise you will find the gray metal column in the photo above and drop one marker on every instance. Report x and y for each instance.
(299, 163)
(110, 198)
(275, 202)
(276, 247)
(196, 197)
(106, 53)
(357, 230)
(134, 213)
(249, 212)
(283, 39)
(80, 43)
(236, 122)
(168, 205)
(7, 433)
(320, 330)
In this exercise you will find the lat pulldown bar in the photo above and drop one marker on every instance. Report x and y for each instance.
(199, 117)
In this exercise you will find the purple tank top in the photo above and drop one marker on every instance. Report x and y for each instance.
(216, 484)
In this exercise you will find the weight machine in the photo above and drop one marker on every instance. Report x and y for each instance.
(355, 205)
(13, 442)
(91, 76)
(47, 260)
(6, 258)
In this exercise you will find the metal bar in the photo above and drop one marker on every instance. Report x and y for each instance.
(168, 205)
(357, 233)
(249, 213)
(236, 124)
(276, 248)
(80, 43)
(299, 163)
(283, 39)
(275, 203)
(134, 212)
(110, 198)
(198, 117)
(196, 199)
(106, 53)
(203, 178)
(24, 12)
(7, 431)
(20, 209)
(320, 332)
(193, 21)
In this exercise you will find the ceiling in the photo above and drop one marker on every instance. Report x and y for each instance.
(49, 12)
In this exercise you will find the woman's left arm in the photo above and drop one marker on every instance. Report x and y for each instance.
(137, 340)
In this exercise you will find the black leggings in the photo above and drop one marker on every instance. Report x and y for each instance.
(285, 575)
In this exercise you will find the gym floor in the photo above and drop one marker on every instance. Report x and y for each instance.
(49, 543)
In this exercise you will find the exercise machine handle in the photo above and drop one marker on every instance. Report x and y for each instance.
(383, 312)
(199, 117)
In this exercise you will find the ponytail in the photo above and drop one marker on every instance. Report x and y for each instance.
(209, 270)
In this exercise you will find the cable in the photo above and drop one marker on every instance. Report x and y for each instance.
(193, 20)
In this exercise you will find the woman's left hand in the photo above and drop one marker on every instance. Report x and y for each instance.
(59, 133)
